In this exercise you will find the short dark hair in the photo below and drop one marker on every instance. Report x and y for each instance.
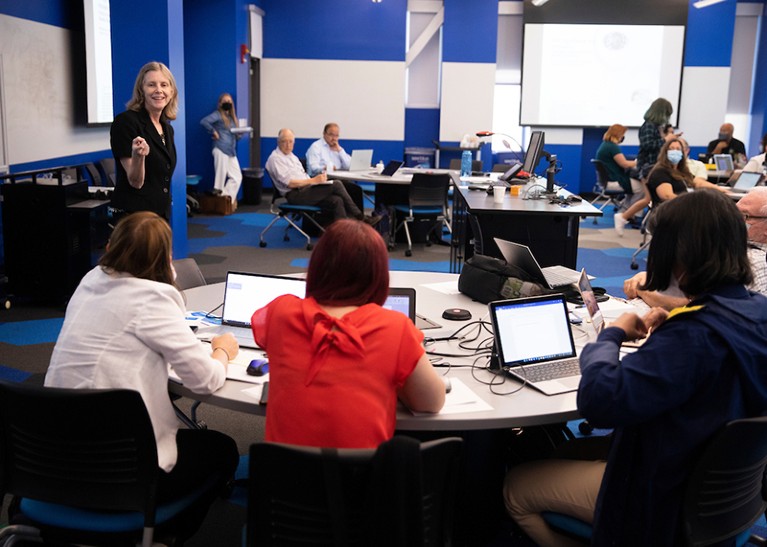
(141, 245)
(701, 235)
(349, 266)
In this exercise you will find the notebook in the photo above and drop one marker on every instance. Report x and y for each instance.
(403, 300)
(723, 162)
(361, 160)
(245, 293)
(391, 168)
(534, 342)
(590, 302)
(745, 181)
(522, 257)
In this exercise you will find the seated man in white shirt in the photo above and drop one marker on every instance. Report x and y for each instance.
(757, 163)
(697, 168)
(292, 181)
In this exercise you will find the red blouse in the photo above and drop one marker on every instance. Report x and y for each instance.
(333, 382)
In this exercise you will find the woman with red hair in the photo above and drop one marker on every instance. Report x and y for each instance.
(337, 359)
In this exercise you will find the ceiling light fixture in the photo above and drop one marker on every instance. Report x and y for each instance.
(703, 3)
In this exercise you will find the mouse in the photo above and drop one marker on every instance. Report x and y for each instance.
(448, 384)
(258, 367)
(456, 314)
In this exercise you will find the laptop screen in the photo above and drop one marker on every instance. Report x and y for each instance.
(391, 168)
(590, 301)
(361, 160)
(746, 180)
(723, 162)
(245, 293)
(401, 300)
(532, 330)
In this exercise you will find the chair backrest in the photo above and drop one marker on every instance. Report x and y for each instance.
(429, 190)
(93, 449)
(188, 274)
(455, 164)
(725, 492)
(93, 173)
(108, 165)
(401, 494)
(602, 176)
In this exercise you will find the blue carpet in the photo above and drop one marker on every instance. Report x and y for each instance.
(24, 333)
(13, 375)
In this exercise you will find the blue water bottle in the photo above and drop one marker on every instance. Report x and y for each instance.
(466, 163)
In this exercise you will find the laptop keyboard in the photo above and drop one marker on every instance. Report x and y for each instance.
(551, 370)
(558, 278)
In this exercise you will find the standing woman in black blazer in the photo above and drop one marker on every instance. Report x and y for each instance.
(142, 144)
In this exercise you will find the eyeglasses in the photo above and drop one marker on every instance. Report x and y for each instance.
(748, 217)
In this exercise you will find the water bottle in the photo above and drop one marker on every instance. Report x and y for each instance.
(466, 163)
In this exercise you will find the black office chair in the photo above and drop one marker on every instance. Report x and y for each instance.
(455, 165)
(608, 191)
(725, 493)
(108, 166)
(292, 214)
(188, 274)
(427, 200)
(84, 463)
(400, 494)
(645, 230)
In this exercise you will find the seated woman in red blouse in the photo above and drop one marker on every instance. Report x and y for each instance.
(337, 359)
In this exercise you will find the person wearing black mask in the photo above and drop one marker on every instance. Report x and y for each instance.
(725, 143)
(219, 124)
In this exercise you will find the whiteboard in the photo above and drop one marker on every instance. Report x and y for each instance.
(39, 101)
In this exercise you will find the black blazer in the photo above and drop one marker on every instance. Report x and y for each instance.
(158, 165)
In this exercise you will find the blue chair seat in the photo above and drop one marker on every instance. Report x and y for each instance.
(567, 524)
(305, 208)
(74, 518)
(419, 210)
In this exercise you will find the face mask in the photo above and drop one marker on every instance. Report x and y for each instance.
(621, 140)
(674, 156)
(226, 106)
(724, 137)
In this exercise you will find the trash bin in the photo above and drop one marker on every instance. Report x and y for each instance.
(419, 157)
(252, 185)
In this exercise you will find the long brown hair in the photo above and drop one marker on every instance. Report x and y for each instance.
(141, 245)
(680, 171)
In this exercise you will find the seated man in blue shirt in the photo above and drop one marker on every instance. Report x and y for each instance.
(326, 154)
(292, 181)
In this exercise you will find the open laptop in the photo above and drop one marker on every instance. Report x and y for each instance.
(391, 168)
(245, 293)
(590, 302)
(534, 342)
(361, 160)
(521, 256)
(723, 162)
(745, 181)
(403, 300)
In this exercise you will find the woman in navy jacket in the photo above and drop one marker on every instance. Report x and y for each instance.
(142, 144)
(704, 365)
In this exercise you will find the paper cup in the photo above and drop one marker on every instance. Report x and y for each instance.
(498, 192)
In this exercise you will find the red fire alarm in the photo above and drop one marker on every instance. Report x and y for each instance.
(243, 53)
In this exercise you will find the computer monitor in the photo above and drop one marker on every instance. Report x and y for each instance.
(534, 152)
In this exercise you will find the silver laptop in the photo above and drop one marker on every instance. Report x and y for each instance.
(723, 162)
(403, 300)
(745, 181)
(534, 342)
(521, 256)
(245, 293)
(361, 160)
(590, 302)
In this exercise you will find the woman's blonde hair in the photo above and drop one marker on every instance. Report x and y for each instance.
(141, 245)
(229, 118)
(615, 133)
(137, 101)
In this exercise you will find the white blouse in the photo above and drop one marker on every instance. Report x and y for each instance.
(123, 332)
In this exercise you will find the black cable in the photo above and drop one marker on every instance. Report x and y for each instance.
(208, 313)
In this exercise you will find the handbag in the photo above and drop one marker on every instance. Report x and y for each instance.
(486, 279)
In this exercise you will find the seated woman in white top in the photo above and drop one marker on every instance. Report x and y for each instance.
(124, 325)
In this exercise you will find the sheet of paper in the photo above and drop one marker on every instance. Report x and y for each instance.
(460, 399)
(237, 368)
(446, 287)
